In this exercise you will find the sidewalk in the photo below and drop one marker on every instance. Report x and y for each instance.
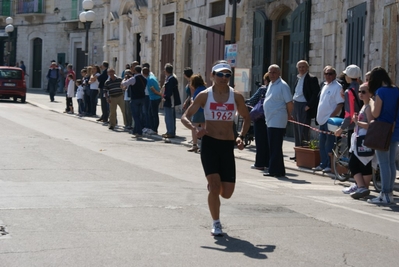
(40, 98)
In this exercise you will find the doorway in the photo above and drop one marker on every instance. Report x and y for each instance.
(282, 55)
(37, 63)
(80, 62)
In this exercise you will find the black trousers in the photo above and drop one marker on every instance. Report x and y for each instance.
(262, 156)
(104, 106)
(276, 162)
(301, 133)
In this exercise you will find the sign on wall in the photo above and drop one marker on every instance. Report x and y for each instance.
(241, 80)
(230, 54)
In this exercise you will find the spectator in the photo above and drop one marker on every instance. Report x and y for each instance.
(53, 75)
(384, 108)
(80, 97)
(330, 105)
(188, 72)
(262, 156)
(196, 85)
(277, 106)
(114, 95)
(95, 73)
(352, 102)
(171, 99)
(305, 99)
(137, 88)
(70, 94)
(155, 99)
(359, 166)
(101, 80)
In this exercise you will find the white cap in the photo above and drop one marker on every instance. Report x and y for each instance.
(353, 72)
(220, 67)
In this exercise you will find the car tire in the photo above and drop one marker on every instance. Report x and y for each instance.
(23, 99)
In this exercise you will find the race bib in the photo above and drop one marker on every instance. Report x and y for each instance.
(222, 112)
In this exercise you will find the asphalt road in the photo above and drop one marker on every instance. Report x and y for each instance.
(73, 193)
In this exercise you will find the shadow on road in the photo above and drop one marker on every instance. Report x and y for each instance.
(235, 245)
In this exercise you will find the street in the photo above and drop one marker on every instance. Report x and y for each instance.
(73, 193)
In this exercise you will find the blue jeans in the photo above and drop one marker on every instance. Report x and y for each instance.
(153, 114)
(137, 112)
(81, 106)
(146, 117)
(386, 159)
(170, 120)
(326, 144)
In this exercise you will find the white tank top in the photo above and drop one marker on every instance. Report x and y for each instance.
(215, 111)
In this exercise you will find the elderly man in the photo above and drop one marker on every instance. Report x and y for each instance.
(114, 96)
(330, 105)
(305, 102)
(278, 108)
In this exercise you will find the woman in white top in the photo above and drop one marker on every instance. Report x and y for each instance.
(95, 72)
(220, 103)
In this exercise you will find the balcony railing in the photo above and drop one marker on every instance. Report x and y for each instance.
(30, 6)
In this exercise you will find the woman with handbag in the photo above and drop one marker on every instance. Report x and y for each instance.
(361, 156)
(260, 129)
(384, 108)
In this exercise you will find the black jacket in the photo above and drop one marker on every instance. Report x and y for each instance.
(171, 94)
(311, 90)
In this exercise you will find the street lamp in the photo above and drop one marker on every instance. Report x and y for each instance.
(87, 17)
(9, 30)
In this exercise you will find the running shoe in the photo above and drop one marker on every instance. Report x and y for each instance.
(217, 229)
(383, 198)
(360, 192)
(349, 190)
(328, 169)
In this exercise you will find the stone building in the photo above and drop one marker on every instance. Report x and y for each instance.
(324, 32)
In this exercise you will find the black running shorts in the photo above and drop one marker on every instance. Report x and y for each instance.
(356, 166)
(217, 156)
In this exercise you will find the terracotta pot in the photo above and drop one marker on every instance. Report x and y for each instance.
(307, 157)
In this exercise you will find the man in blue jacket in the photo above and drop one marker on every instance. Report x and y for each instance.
(101, 81)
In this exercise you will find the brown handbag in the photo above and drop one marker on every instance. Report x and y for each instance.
(379, 133)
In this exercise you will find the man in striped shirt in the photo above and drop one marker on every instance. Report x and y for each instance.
(114, 95)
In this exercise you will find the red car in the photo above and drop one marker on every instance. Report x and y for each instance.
(12, 83)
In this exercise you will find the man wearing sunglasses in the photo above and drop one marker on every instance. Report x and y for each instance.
(278, 108)
(330, 105)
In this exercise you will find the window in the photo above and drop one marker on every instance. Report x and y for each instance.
(218, 8)
(169, 19)
(5, 8)
(30, 6)
(76, 9)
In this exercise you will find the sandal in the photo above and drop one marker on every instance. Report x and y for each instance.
(194, 148)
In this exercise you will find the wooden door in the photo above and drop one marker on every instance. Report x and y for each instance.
(80, 62)
(355, 34)
(167, 52)
(37, 63)
(214, 50)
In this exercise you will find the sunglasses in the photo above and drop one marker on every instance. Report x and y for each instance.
(363, 92)
(329, 73)
(222, 74)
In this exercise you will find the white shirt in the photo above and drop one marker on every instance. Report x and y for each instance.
(298, 95)
(71, 88)
(79, 92)
(330, 97)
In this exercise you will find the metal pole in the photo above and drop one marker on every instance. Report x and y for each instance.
(233, 35)
(9, 49)
(87, 26)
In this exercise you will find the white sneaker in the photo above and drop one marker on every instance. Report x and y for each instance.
(351, 189)
(328, 169)
(217, 229)
(318, 168)
(382, 198)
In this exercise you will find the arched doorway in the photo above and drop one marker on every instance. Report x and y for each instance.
(37, 63)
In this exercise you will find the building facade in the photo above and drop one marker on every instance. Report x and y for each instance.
(337, 33)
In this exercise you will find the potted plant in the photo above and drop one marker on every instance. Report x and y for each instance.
(308, 156)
